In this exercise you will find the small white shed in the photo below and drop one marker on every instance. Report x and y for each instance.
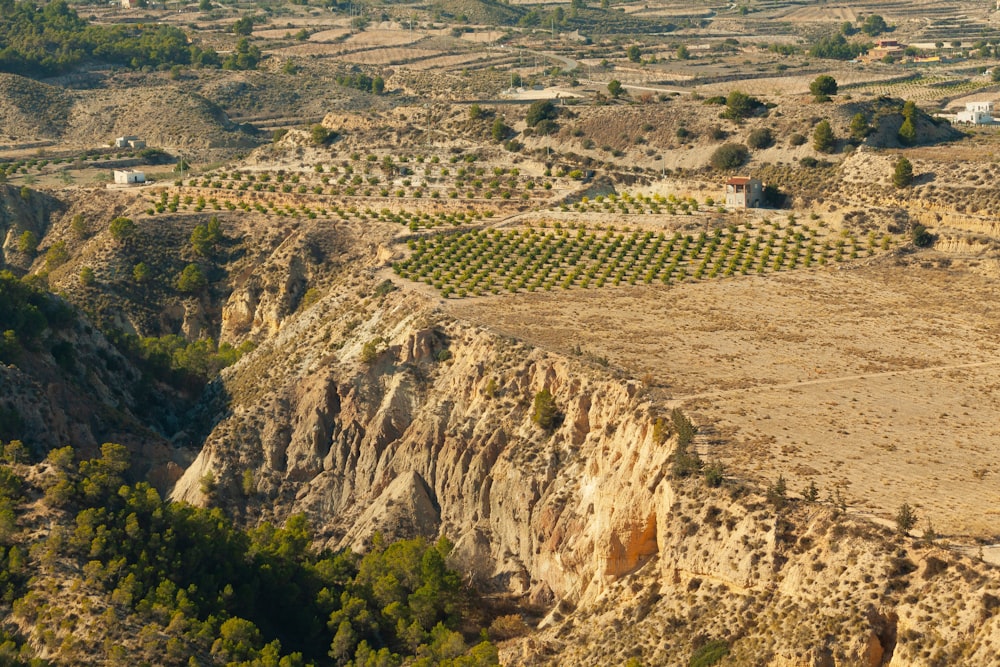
(129, 177)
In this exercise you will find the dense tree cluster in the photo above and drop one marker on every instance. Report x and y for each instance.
(540, 111)
(245, 56)
(51, 39)
(874, 25)
(205, 239)
(172, 355)
(361, 81)
(206, 591)
(837, 47)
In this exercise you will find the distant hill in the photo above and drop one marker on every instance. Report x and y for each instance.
(29, 109)
(169, 116)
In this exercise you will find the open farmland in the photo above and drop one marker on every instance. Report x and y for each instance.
(873, 382)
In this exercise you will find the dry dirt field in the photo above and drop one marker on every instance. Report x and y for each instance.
(882, 382)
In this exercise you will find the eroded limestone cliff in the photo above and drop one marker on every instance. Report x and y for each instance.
(433, 434)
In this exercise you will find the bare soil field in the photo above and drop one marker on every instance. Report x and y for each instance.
(373, 38)
(820, 14)
(389, 56)
(448, 61)
(481, 36)
(881, 382)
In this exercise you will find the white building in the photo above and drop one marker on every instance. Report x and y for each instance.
(129, 177)
(744, 192)
(129, 142)
(976, 113)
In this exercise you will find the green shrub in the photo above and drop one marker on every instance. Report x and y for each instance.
(859, 127)
(539, 111)
(740, 106)
(907, 132)
(714, 474)
(822, 87)
(56, 255)
(205, 238)
(122, 229)
(920, 236)
(906, 519)
(87, 277)
(371, 350)
(729, 156)
(320, 135)
(709, 654)
(191, 279)
(27, 242)
(141, 273)
(777, 493)
(760, 138)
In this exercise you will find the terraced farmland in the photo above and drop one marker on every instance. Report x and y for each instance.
(639, 203)
(923, 89)
(484, 262)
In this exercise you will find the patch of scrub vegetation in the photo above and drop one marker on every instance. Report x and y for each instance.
(206, 590)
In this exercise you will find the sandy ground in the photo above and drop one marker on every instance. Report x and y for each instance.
(882, 382)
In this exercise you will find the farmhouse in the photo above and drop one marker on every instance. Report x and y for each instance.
(885, 48)
(129, 177)
(129, 142)
(744, 192)
(976, 113)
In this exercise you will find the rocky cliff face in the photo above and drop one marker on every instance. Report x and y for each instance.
(435, 435)
(586, 522)
(22, 210)
(73, 388)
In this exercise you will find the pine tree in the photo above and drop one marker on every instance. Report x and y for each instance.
(907, 133)
(499, 130)
(859, 127)
(545, 413)
(822, 87)
(906, 519)
(823, 139)
(903, 175)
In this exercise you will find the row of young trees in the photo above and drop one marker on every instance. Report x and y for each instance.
(478, 263)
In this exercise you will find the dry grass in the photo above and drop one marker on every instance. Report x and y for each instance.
(863, 380)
